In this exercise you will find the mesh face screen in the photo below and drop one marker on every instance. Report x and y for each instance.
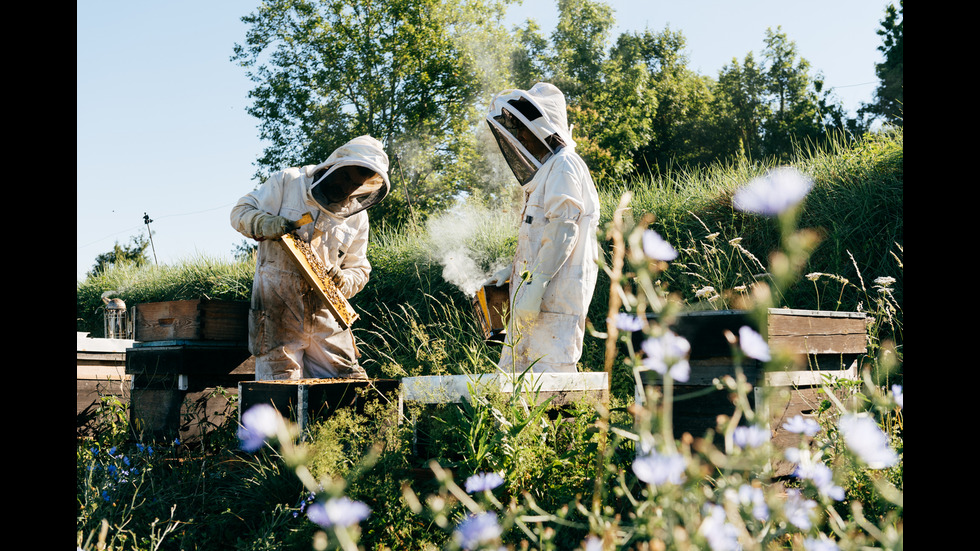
(521, 165)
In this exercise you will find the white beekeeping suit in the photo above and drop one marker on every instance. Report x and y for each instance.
(291, 333)
(557, 245)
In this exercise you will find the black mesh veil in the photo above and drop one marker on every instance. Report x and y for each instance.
(505, 129)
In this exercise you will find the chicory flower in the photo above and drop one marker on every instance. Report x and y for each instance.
(753, 345)
(656, 248)
(821, 543)
(802, 425)
(477, 530)
(338, 512)
(774, 193)
(750, 496)
(628, 322)
(658, 469)
(898, 395)
(481, 482)
(799, 510)
(667, 355)
(822, 477)
(259, 423)
(750, 436)
(721, 535)
(864, 437)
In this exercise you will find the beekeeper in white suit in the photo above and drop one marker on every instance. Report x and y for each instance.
(291, 333)
(555, 267)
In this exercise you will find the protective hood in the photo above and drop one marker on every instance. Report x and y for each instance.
(542, 112)
(363, 151)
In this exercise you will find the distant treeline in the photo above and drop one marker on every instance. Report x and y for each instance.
(418, 74)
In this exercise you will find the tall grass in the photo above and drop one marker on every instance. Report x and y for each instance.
(195, 278)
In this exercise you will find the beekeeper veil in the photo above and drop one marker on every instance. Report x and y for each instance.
(530, 126)
(353, 178)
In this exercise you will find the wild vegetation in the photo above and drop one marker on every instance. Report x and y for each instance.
(497, 473)
(672, 152)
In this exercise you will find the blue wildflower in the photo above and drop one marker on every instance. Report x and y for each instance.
(259, 423)
(799, 510)
(656, 248)
(481, 482)
(667, 355)
(338, 512)
(774, 193)
(864, 437)
(658, 469)
(822, 477)
(750, 496)
(750, 436)
(628, 322)
(802, 425)
(821, 543)
(898, 395)
(753, 345)
(477, 530)
(715, 528)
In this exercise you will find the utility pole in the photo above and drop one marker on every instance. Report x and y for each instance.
(146, 220)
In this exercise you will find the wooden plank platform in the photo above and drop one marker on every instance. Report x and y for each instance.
(561, 388)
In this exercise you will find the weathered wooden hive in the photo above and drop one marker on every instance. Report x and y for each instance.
(821, 346)
(184, 350)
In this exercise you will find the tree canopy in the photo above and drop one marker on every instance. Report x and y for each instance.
(418, 75)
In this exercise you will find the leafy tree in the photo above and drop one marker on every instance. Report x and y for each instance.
(680, 122)
(609, 101)
(402, 71)
(741, 105)
(889, 96)
(531, 58)
(579, 42)
(134, 253)
(793, 101)
(766, 109)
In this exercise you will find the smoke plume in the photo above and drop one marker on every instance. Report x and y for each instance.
(462, 241)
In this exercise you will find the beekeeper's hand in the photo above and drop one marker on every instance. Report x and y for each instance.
(500, 277)
(334, 272)
(270, 226)
(527, 303)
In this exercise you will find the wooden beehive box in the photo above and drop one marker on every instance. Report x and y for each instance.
(201, 319)
(819, 345)
(306, 400)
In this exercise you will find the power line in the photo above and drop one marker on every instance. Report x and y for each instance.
(89, 244)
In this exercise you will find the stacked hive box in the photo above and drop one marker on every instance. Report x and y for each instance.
(184, 350)
(822, 346)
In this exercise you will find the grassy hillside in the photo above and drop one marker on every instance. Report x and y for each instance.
(414, 321)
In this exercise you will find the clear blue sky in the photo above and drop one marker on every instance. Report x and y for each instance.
(162, 128)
